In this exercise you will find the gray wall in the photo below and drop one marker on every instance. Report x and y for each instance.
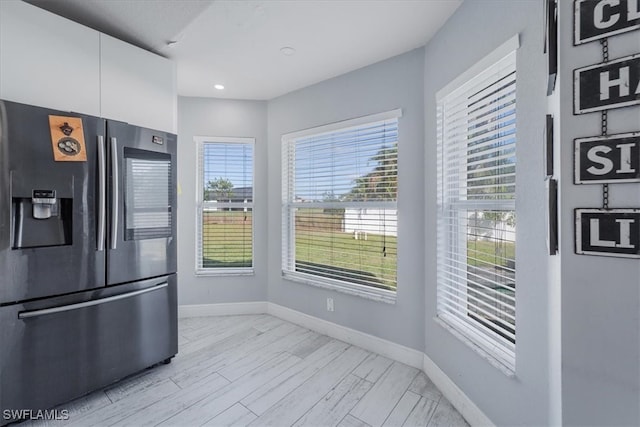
(600, 295)
(578, 327)
(219, 117)
(394, 83)
(476, 29)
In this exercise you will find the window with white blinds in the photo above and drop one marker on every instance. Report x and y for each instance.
(224, 241)
(476, 265)
(340, 215)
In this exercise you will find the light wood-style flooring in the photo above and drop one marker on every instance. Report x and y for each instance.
(259, 370)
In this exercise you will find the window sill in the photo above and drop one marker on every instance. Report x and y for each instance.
(508, 371)
(225, 272)
(379, 295)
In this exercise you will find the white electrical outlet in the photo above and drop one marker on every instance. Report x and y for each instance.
(329, 304)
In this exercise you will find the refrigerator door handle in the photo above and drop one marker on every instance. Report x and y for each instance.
(115, 199)
(76, 306)
(102, 194)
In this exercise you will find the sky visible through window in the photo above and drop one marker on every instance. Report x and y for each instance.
(327, 167)
(229, 161)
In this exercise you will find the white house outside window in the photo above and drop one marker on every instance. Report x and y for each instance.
(224, 241)
(477, 205)
(339, 207)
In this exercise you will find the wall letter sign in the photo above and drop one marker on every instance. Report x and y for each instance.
(548, 149)
(551, 43)
(552, 216)
(607, 85)
(607, 159)
(597, 19)
(608, 232)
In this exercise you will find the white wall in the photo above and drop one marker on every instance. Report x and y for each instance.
(219, 118)
(476, 29)
(600, 295)
(391, 84)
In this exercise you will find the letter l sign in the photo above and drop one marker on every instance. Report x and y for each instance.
(625, 234)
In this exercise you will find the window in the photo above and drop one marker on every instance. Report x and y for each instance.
(476, 205)
(224, 241)
(340, 186)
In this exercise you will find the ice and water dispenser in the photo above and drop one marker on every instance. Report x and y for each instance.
(41, 219)
(44, 204)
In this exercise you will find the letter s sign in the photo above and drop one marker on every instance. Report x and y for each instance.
(607, 159)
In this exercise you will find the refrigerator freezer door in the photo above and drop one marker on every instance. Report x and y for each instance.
(49, 203)
(54, 350)
(142, 232)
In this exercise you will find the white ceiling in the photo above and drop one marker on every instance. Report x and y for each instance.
(237, 43)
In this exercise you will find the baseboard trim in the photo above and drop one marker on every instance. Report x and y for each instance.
(372, 343)
(227, 309)
(397, 352)
(455, 395)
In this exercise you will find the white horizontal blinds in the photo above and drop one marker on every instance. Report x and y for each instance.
(476, 198)
(355, 164)
(226, 207)
(340, 208)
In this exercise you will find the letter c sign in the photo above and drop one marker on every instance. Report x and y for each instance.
(597, 19)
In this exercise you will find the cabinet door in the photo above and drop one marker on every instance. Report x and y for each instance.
(47, 60)
(138, 87)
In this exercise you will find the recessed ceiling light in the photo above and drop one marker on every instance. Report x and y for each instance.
(219, 86)
(287, 51)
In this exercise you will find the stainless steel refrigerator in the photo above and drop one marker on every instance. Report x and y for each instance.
(87, 254)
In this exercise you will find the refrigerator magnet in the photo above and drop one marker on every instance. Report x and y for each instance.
(67, 139)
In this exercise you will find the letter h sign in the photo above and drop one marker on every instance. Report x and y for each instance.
(607, 85)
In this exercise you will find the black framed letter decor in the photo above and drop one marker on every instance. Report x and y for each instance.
(607, 159)
(551, 46)
(548, 146)
(607, 85)
(597, 19)
(608, 232)
(552, 216)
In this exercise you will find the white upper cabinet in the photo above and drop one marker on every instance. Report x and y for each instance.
(47, 60)
(52, 62)
(137, 86)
